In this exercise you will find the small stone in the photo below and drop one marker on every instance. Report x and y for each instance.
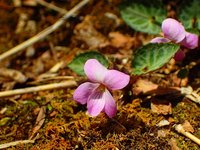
(163, 123)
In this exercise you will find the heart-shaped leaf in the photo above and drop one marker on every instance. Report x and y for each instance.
(143, 15)
(78, 62)
(190, 14)
(152, 56)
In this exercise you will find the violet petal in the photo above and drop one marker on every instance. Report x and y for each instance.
(190, 41)
(94, 70)
(159, 40)
(115, 80)
(173, 30)
(179, 56)
(96, 102)
(82, 93)
(110, 106)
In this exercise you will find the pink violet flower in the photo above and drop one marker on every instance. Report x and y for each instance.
(159, 40)
(173, 30)
(190, 41)
(180, 55)
(96, 94)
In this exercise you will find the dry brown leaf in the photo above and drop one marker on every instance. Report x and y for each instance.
(171, 120)
(163, 132)
(144, 117)
(161, 107)
(148, 87)
(173, 144)
(17, 3)
(178, 81)
(39, 121)
(144, 86)
(86, 32)
(13, 74)
(163, 122)
(53, 113)
(8, 85)
(41, 64)
(164, 90)
(119, 40)
(187, 127)
(23, 17)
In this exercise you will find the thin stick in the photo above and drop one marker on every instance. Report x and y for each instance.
(56, 67)
(50, 6)
(51, 86)
(16, 143)
(179, 128)
(43, 33)
(191, 94)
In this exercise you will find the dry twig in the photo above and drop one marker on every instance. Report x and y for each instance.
(6, 145)
(16, 143)
(51, 6)
(43, 33)
(48, 77)
(179, 128)
(57, 67)
(38, 88)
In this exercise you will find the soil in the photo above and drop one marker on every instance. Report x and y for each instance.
(54, 118)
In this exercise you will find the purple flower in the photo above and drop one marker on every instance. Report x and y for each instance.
(179, 56)
(190, 41)
(173, 30)
(96, 93)
(159, 40)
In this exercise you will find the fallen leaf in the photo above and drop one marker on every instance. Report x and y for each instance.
(178, 81)
(163, 133)
(171, 120)
(120, 40)
(164, 90)
(188, 127)
(173, 144)
(17, 3)
(144, 86)
(163, 123)
(53, 113)
(86, 32)
(13, 74)
(39, 121)
(161, 107)
(8, 85)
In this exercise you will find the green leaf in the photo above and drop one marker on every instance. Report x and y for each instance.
(143, 15)
(78, 62)
(190, 14)
(193, 30)
(152, 56)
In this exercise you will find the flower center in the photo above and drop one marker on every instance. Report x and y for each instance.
(101, 88)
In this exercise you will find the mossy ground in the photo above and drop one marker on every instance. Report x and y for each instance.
(67, 126)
